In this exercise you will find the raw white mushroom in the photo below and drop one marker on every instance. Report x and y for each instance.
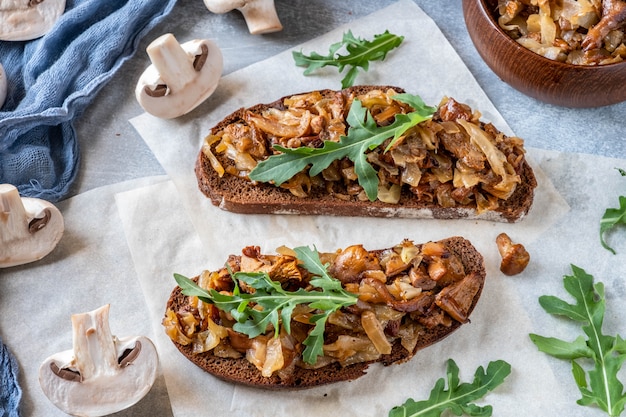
(260, 15)
(29, 227)
(3, 85)
(23, 20)
(102, 374)
(180, 78)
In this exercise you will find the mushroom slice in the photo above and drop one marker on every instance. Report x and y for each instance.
(260, 15)
(29, 227)
(456, 299)
(23, 20)
(102, 374)
(180, 78)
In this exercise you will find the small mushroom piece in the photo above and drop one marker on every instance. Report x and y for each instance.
(30, 228)
(23, 20)
(260, 15)
(180, 78)
(102, 374)
(515, 258)
(3, 85)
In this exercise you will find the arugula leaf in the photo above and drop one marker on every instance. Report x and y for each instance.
(363, 135)
(271, 305)
(458, 397)
(359, 54)
(613, 217)
(603, 387)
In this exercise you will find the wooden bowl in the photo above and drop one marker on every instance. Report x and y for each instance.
(536, 76)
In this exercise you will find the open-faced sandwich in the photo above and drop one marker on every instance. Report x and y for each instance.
(301, 318)
(365, 151)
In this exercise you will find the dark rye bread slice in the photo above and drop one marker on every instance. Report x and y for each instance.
(241, 371)
(239, 195)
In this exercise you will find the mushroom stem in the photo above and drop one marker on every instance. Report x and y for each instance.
(261, 17)
(13, 215)
(94, 347)
(174, 65)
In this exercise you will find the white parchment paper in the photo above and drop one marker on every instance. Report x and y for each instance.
(557, 232)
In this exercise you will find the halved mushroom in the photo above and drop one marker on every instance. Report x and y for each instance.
(23, 20)
(260, 15)
(180, 78)
(3, 85)
(102, 374)
(29, 227)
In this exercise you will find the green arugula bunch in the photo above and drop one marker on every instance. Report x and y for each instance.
(607, 353)
(271, 305)
(612, 217)
(459, 396)
(363, 135)
(359, 54)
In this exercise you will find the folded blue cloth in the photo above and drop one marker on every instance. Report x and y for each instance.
(10, 391)
(51, 81)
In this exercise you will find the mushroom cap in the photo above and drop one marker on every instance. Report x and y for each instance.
(30, 228)
(105, 394)
(3, 85)
(25, 20)
(183, 86)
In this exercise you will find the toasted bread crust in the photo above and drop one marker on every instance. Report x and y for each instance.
(241, 371)
(238, 195)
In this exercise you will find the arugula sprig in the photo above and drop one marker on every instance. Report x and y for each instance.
(459, 396)
(271, 305)
(612, 217)
(363, 135)
(607, 353)
(359, 54)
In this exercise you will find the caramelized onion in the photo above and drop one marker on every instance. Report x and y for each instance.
(375, 332)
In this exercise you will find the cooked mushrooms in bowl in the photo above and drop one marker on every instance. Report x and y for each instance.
(566, 53)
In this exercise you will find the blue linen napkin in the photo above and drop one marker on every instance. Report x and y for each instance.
(10, 391)
(51, 81)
